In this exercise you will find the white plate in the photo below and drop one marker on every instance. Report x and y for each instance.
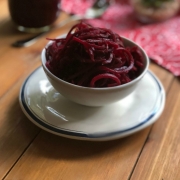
(46, 108)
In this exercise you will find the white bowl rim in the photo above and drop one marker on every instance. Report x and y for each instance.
(43, 60)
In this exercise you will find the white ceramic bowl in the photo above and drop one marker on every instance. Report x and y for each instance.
(95, 96)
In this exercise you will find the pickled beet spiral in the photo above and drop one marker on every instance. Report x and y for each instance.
(93, 57)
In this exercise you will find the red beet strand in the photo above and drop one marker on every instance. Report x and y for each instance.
(93, 57)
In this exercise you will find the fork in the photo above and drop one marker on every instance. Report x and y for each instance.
(95, 11)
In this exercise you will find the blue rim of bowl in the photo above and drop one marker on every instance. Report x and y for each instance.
(78, 134)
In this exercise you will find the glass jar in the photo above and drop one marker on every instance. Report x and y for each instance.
(34, 15)
(149, 11)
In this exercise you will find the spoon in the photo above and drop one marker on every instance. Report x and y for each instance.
(95, 11)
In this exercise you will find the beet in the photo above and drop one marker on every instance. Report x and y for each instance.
(93, 57)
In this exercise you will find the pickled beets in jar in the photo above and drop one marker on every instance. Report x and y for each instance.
(34, 13)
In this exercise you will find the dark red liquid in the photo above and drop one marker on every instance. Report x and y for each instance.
(34, 13)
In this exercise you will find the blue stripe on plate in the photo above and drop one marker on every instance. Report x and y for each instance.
(154, 112)
(39, 120)
(81, 134)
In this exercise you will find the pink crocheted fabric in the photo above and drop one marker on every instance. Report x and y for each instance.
(161, 41)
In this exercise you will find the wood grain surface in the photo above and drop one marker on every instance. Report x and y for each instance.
(29, 153)
(160, 155)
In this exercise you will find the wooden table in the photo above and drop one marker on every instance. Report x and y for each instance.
(28, 153)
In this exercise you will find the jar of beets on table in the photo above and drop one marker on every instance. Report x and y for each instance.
(34, 15)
